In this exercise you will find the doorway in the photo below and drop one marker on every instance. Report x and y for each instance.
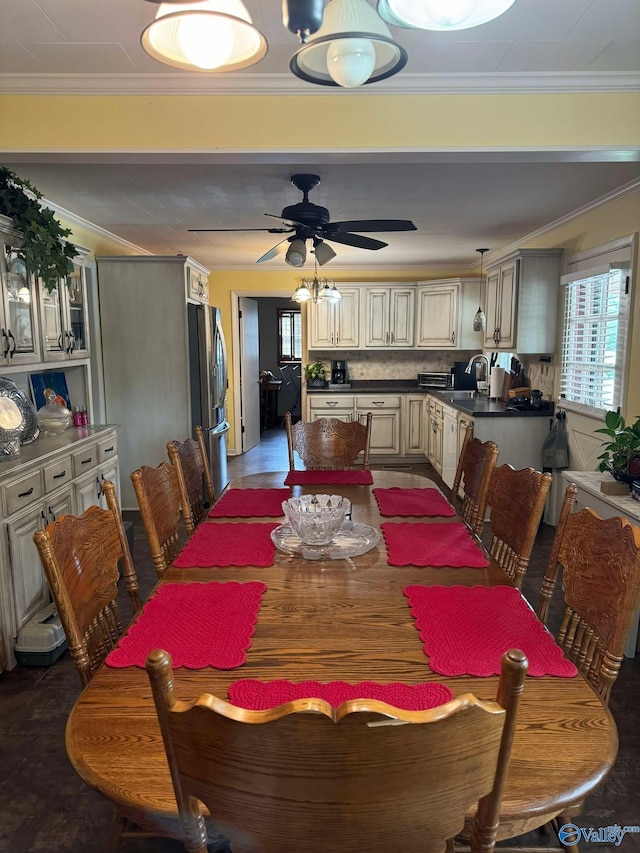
(267, 367)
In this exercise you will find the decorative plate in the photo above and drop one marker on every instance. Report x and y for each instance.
(30, 430)
(354, 538)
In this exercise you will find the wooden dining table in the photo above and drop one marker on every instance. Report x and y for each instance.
(340, 620)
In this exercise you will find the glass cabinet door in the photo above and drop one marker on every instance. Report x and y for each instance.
(52, 322)
(19, 336)
(76, 294)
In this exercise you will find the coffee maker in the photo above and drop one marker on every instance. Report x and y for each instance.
(338, 372)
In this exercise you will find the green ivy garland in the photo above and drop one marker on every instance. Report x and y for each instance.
(45, 249)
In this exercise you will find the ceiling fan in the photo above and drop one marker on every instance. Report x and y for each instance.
(308, 221)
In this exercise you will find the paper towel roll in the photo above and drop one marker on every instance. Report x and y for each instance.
(496, 382)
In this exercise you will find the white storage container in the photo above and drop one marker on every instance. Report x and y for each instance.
(41, 640)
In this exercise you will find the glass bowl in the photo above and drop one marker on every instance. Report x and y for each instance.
(316, 518)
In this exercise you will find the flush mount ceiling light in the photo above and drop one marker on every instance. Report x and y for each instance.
(296, 253)
(353, 46)
(210, 35)
(441, 14)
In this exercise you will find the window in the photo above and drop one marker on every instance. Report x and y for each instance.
(289, 335)
(596, 312)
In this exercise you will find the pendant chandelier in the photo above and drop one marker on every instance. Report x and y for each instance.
(441, 14)
(480, 321)
(316, 289)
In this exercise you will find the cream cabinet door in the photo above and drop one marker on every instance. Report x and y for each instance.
(402, 302)
(87, 492)
(322, 325)
(339, 414)
(414, 424)
(437, 316)
(347, 319)
(60, 503)
(501, 302)
(109, 471)
(376, 313)
(30, 588)
(385, 430)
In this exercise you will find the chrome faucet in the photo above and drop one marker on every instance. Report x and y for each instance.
(474, 358)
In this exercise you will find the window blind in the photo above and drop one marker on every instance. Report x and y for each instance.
(596, 307)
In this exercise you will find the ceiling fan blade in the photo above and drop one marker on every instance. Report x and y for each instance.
(273, 252)
(294, 221)
(364, 225)
(355, 240)
(270, 230)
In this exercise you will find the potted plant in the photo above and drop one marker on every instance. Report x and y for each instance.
(45, 249)
(315, 374)
(621, 455)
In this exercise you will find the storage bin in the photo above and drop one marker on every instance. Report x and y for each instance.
(41, 640)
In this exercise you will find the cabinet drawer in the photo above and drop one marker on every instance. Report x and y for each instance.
(23, 492)
(85, 459)
(330, 401)
(58, 474)
(107, 449)
(378, 401)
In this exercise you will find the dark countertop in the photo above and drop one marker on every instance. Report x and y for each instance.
(477, 407)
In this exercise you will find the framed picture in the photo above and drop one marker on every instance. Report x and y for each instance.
(41, 383)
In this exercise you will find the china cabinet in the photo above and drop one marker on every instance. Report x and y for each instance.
(445, 311)
(336, 325)
(521, 302)
(389, 316)
(19, 331)
(65, 326)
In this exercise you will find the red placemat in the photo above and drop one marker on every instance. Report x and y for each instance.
(248, 503)
(417, 544)
(228, 544)
(320, 478)
(466, 630)
(398, 501)
(199, 624)
(260, 695)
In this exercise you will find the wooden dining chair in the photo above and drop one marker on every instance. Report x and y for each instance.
(194, 477)
(307, 777)
(600, 561)
(80, 556)
(473, 473)
(516, 502)
(549, 580)
(160, 503)
(328, 443)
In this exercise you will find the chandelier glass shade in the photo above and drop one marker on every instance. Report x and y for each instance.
(353, 46)
(210, 35)
(441, 14)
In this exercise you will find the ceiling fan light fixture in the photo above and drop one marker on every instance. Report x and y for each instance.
(353, 46)
(296, 253)
(441, 14)
(323, 252)
(302, 17)
(210, 35)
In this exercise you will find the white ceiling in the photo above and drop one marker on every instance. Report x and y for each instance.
(458, 201)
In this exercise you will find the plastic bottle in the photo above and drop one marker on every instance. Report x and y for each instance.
(84, 416)
(77, 418)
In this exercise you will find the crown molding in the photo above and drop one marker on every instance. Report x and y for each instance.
(286, 84)
(74, 219)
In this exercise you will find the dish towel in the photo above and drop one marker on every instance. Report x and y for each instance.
(466, 630)
(250, 503)
(397, 501)
(260, 695)
(321, 478)
(228, 544)
(199, 624)
(436, 544)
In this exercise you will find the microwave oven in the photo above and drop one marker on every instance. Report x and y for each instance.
(435, 380)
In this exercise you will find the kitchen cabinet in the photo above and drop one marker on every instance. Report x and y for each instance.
(198, 285)
(65, 322)
(48, 479)
(521, 302)
(445, 311)
(389, 316)
(414, 425)
(385, 423)
(19, 329)
(435, 434)
(449, 444)
(339, 406)
(336, 325)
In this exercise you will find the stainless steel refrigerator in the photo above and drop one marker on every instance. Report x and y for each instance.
(208, 379)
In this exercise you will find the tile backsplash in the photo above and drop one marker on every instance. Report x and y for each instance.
(394, 364)
(540, 375)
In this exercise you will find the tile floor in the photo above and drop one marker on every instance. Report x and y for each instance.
(46, 808)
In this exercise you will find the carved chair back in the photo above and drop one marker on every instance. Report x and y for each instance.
(160, 502)
(80, 557)
(600, 560)
(349, 778)
(328, 443)
(516, 500)
(475, 466)
(194, 477)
